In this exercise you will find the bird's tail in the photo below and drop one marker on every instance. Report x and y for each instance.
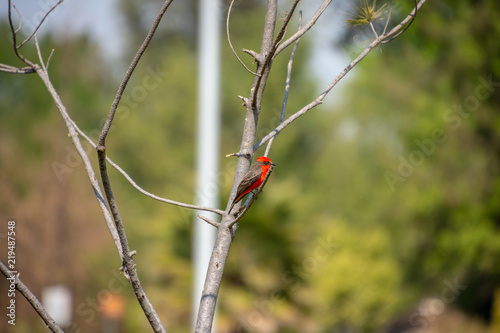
(232, 205)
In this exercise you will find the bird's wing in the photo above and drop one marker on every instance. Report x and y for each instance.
(251, 177)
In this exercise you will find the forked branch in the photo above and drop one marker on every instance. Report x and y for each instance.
(396, 31)
(39, 24)
(287, 86)
(304, 29)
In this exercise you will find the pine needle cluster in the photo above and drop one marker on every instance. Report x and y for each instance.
(366, 13)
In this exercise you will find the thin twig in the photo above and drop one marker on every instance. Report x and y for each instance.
(20, 18)
(44, 76)
(229, 41)
(268, 53)
(50, 58)
(304, 29)
(206, 219)
(373, 29)
(388, 18)
(16, 70)
(39, 52)
(128, 74)
(31, 298)
(153, 196)
(39, 24)
(281, 33)
(287, 86)
(264, 60)
(140, 189)
(14, 36)
(319, 99)
(409, 20)
(346, 70)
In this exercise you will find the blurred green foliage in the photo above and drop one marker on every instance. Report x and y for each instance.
(376, 202)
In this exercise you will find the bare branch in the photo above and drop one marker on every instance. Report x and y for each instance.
(128, 74)
(281, 33)
(252, 53)
(20, 18)
(408, 20)
(373, 30)
(253, 102)
(128, 261)
(31, 68)
(306, 27)
(229, 41)
(50, 58)
(31, 298)
(319, 99)
(14, 35)
(16, 70)
(346, 70)
(214, 276)
(264, 60)
(225, 234)
(153, 196)
(39, 52)
(388, 17)
(268, 50)
(140, 189)
(229, 222)
(206, 219)
(118, 231)
(39, 24)
(44, 76)
(287, 85)
(243, 99)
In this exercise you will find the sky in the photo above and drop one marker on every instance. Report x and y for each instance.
(97, 18)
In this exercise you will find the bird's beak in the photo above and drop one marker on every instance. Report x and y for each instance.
(273, 164)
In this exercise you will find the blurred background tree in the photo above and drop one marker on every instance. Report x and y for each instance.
(382, 198)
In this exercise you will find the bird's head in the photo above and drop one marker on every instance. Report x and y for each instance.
(265, 161)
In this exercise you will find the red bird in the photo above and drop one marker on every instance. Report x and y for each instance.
(253, 179)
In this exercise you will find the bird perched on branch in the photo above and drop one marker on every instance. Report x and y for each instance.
(253, 178)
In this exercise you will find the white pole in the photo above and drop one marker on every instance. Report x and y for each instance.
(207, 191)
